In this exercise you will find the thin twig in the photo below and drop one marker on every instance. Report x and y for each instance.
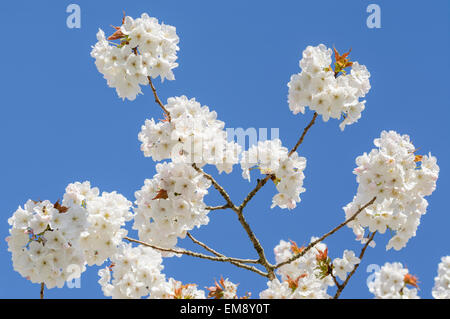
(42, 290)
(157, 100)
(257, 245)
(334, 278)
(305, 130)
(216, 186)
(198, 255)
(198, 242)
(250, 195)
(361, 255)
(331, 232)
(217, 207)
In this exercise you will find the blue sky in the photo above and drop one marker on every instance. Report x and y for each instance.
(61, 123)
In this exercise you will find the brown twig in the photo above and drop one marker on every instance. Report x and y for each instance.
(217, 186)
(157, 100)
(217, 207)
(331, 232)
(231, 260)
(361, 255)
(302, 137)
(250, 195)
(42, 290)
(257, 245)
(201, 244)
(236, 261)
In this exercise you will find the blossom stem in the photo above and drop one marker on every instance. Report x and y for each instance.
(196, 241)
(361, 255)
(42, 290)
(235, 261)
(302, 137)
(217, 186)
(331, 232)
(256, 244)
(217, 207)
(157, 100)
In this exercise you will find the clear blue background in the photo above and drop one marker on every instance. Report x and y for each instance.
(61, 123)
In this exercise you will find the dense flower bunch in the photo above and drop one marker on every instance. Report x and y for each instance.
(400, 180)
(173, 289)
(48, 240)
(270, 157)
(441, 289)
(44, 241)
(147, 49)
(391, 283)
(194, 135)
(304, 278)
(326, 93)
(171, 204)
(106, 215)
(134, 273)
(224, 289)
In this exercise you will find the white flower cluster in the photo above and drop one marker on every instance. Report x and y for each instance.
(300, 279)
(194, 135)
(441, 289)
(173, 289)
(50, 241)
(224, 289)
(390, 283)
(229, 289)
(44, 242)
(332, 97)
(107, 215)
(392, 173)
(147, 49)
(171, 204)
(342, 266)
(270, 157)
(135, 272)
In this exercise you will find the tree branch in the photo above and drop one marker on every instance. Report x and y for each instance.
(217, 207)
(257, 245)
(361, 255)
(42, 290)
(216, 186)
(331, 232)
(233, 261)
(157, 100)
(196, 241)
(250, 195)
(305, 130)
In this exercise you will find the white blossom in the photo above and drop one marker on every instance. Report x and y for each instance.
(270, 157)
(441, 289)
(147, 49)
(194, 135)
(44, 242)
(134, 273)
(171, 204)
(390, 283)
(300, 279)
(342, 266)
(400, 180)
(317, 87)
